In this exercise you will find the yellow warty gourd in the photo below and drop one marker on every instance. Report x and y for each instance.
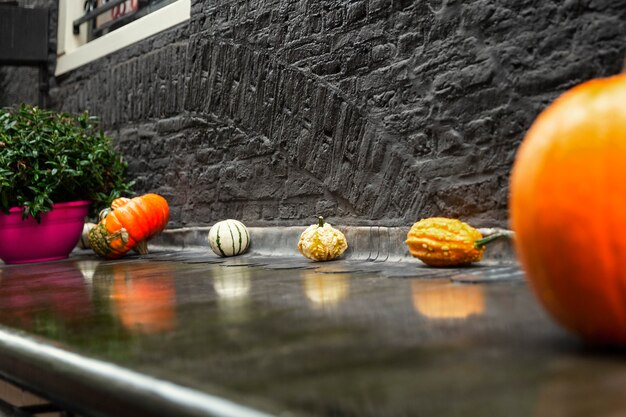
(322, 242)
(440, 241)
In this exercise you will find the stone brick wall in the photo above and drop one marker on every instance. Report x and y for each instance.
(366, 112)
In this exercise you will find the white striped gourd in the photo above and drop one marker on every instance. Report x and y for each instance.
(229, 238)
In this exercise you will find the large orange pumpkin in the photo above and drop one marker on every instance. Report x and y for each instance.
(568, 209)
(128, 224)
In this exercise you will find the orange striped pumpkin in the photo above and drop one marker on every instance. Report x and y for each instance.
(128, 224)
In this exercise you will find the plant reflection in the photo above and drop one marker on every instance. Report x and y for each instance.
(447, 301)
(44, 297)
(325, 290)
(144, 296)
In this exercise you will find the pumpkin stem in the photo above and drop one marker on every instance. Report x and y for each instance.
(141, 247)
(320, 221)
(486, 240)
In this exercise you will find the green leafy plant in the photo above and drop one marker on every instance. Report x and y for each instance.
(49, 157)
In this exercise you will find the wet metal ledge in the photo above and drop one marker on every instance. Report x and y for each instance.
(371, 243)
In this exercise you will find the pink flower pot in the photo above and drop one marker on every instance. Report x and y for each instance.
(23, 241)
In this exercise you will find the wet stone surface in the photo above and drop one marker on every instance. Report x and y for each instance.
(297, 338)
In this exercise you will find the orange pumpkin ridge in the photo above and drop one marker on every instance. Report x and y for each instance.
(161, 210)
(119, 202)
(134, 219)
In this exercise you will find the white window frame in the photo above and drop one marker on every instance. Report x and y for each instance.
(74, 51)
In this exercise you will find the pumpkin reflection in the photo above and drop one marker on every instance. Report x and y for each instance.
(325, 290)
(447, 301)
(233, 284)
(88, 269)
(46, 295)
(144, 297)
